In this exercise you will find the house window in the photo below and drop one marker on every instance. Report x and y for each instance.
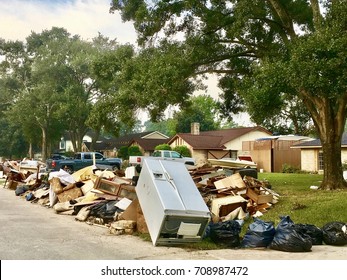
(320, 161)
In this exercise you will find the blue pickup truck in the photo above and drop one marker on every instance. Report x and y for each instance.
(83, 159)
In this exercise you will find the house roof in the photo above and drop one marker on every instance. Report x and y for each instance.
(201, 142)
(126, 140)
(149, 144)
(215, 139)
(316, 143)
(233, 133)
(99, 146)
(286, 138)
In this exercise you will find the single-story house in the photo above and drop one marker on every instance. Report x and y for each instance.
(146, 141)
(108, 146)
(65, 143)
(312, 154)
(216, 144)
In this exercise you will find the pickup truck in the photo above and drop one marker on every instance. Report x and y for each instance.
(81, 160)
(164, 155)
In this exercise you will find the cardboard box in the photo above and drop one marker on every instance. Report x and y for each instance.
(131, 212)
(259, 198)
(12, 185)
(141, 224)
(70, 194)
(230, 182)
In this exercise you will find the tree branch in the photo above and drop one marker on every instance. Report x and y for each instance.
(284, 17)
(317, 17)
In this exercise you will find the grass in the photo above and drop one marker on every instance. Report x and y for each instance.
(302, 204)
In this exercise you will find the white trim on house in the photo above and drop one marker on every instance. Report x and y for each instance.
(155, 135)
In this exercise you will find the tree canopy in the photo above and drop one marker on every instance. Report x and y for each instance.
(202, 109)
(266, 53)
(51, 84)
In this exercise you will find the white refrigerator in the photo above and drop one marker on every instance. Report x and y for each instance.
(173, 207)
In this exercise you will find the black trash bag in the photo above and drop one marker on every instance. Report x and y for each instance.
(314, 232)
(335, 233)
(288, 239)
(76, 209)
(207, 232)
(259, 234)
(21, 190)
(105, 210)
(226, 233)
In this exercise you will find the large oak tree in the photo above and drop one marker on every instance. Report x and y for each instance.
(269, 50)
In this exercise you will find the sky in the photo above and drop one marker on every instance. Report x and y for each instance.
(86, 18)
(79, 17)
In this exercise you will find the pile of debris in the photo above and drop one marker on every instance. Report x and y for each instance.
(114, 200)
(230, 196)
(108, 199)
(97, 197)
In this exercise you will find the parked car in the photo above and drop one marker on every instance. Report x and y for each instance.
(83, 159)
(164, 155)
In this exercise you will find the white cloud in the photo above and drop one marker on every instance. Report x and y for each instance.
(80, 17)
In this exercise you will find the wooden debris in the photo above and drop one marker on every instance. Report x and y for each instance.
(216, 186)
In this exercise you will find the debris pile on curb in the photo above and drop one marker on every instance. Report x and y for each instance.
(111, 200)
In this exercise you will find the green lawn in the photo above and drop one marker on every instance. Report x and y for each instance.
(303, 205)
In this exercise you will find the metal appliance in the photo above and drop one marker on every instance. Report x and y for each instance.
(174, 209)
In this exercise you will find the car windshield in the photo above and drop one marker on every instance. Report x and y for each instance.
(175, 155)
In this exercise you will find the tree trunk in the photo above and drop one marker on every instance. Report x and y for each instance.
(73, 141)
(44, 144)
(94, 139)
(30, 152)
(333, 175)
(329, 118)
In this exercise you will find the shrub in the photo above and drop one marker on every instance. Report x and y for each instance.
(163, 147)
(183, 150)
(123, 152)
(134, 151)
(287, 168)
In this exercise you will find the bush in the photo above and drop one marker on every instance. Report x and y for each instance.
(123, 152)
(183, 150)
(163, 147)
(287, 168)
(134, 151)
